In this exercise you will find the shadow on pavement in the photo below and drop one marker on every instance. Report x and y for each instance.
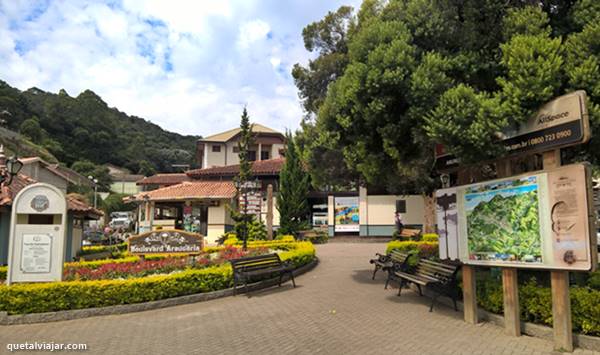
(364, 277)
(287, 287)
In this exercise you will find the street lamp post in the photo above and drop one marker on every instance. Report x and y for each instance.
(95, 181)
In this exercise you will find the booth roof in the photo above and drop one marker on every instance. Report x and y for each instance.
(20, 181)
(259, 168)
(164, 179)
(188, 191)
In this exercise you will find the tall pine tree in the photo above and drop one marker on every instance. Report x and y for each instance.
(241, 180)
(294, 184)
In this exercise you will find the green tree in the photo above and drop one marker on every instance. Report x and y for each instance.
(32, 129)
(146, 168)
(241, 180)
(292, 197)
(99, 172)
(420, 72)
(114, 203)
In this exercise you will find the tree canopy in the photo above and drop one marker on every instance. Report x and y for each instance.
(415, 72)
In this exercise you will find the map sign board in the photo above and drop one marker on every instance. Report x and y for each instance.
(529, 221)
(165, 242)
(561, 122)
(346, 214)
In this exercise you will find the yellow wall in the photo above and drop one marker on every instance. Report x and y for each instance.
(214, 232)
(381, 209)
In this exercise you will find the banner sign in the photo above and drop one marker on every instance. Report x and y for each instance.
(346, 214)
(531, 221)
(166, 242)
(561, 122)
(447, 223)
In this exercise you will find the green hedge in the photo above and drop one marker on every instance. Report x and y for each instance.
(3, 272)
(536, 304)
(57, 296)
(425, 249)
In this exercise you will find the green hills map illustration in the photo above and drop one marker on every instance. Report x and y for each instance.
(503, 221)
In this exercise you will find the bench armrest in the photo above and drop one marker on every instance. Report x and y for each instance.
(382, 258)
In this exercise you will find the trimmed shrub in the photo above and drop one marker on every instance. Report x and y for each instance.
(430, 237)
(57, 296)
(3, 272)
(285, 238)
(536, 304)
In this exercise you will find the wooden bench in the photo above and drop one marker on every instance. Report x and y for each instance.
(387, 261)
(255, 267)
(437, 277)
(408, 233)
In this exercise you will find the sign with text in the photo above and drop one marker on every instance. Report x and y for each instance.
(561, 122)
(530, 221)
(447, 222)
(166, 242)
(36, 253)
(346, 214)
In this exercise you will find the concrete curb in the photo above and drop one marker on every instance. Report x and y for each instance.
(535, 330)
(58, 316)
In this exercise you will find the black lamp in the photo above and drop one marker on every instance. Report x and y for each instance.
(13, 167)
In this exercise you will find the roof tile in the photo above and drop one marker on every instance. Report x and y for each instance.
(259, 168)
(190, 190)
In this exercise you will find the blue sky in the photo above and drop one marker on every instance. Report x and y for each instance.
(188, 65)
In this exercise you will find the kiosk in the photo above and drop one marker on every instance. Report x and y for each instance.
(37, 235)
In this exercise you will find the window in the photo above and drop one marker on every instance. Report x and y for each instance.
(251, 155)
(41, 219)
(401, 206)
(216, 148)
(236, 149)
(264, 155)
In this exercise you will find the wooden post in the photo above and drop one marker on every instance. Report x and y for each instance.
(468, 273)
(270, 212)
(510, 291)
(561, 303)
(469, 294)
(510, 285)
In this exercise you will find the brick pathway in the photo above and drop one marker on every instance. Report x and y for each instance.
(336, 309)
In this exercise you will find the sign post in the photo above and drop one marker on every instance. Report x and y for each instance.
(37, 235)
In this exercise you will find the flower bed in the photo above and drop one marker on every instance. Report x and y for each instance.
(57, 296)
(136, 267)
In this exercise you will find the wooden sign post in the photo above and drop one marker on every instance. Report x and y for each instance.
(561, 303)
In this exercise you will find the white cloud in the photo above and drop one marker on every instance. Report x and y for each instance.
(251, 32)
(189, 66)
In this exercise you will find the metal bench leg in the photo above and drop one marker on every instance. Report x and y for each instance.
(234, 286)
(280, 277)
(246, 289)
(292, 277)
(375, 271)
(432, 302)
(387, 281)
(400, 287)
(420, 291)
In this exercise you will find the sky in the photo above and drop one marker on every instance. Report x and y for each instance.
(189, 66)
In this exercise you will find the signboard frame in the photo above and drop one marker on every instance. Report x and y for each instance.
(351, 205)
(547, 185)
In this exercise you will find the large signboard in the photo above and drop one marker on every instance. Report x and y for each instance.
(36, 253)
(447, 223)
(166, 242)
(532, 221)
(346, 214)
(561, 122)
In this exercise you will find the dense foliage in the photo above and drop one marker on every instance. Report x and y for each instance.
(402, 75)
(85, 128)
(292, 197)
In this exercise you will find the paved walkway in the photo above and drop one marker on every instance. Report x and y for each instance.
(336, 309)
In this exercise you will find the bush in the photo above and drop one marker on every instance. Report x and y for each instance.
(425, 249)
(286, 238)
(57, 296)
(430, 237)
(3, 272)
(232, 240)
(536, 304)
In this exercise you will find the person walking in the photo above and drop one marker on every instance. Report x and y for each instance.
(399, 224)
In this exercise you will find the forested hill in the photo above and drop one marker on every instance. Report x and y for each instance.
(85, 128)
